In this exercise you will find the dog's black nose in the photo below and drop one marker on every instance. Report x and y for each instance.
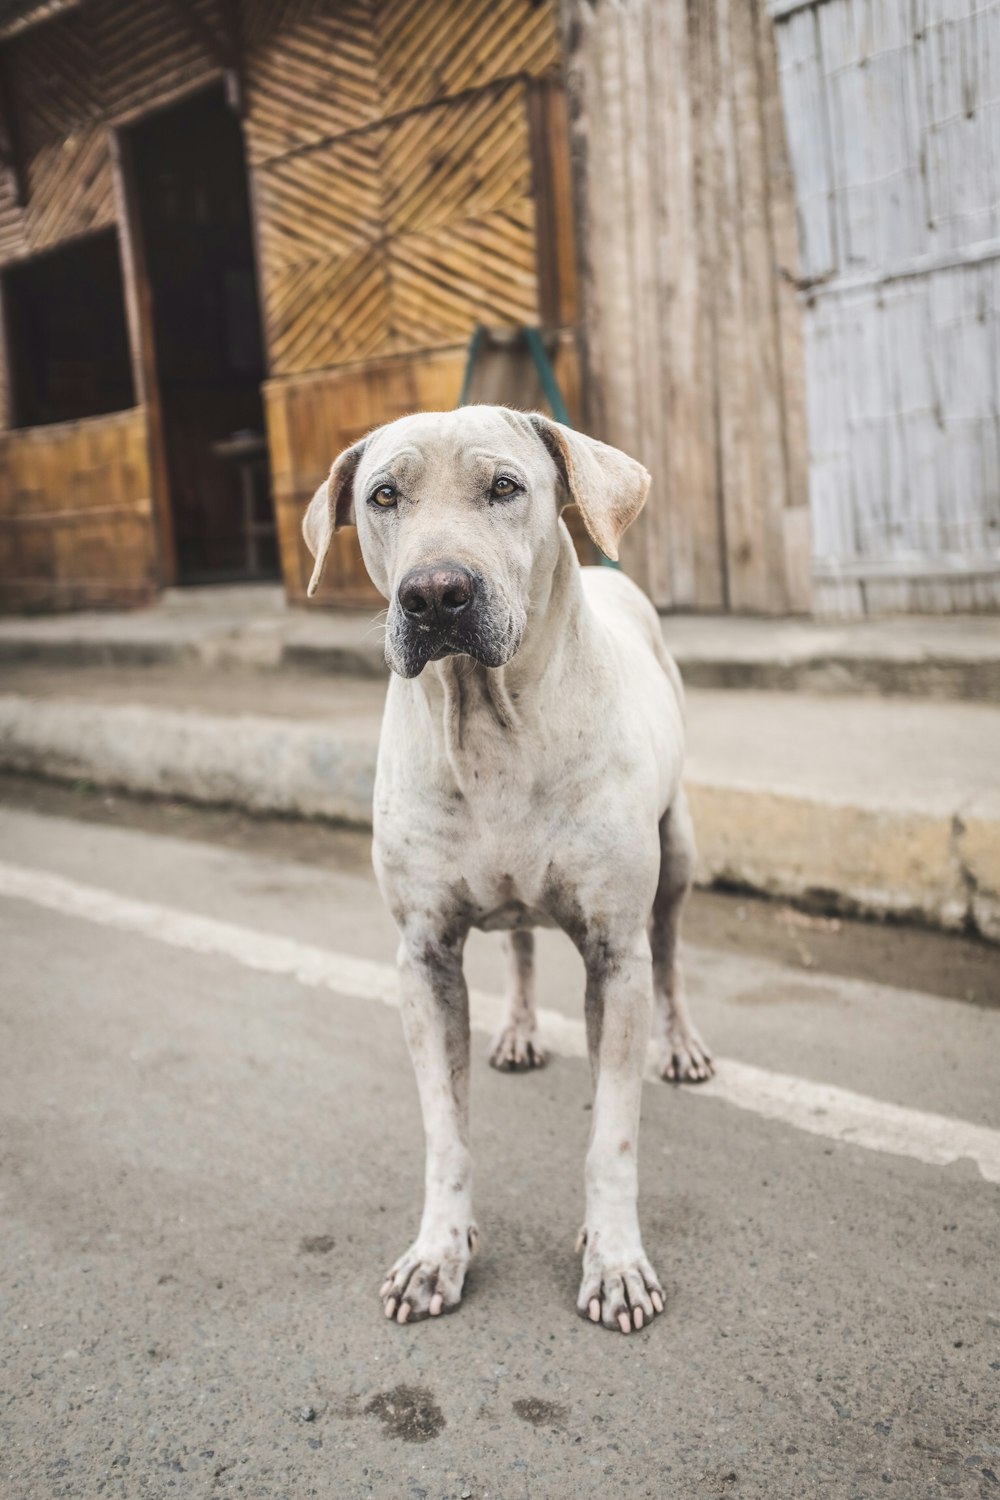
(436, 596)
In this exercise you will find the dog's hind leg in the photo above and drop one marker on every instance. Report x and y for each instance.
(516, 1047)
(682, 1055)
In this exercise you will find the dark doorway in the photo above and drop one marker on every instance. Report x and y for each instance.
(191, 191)
(69, 354)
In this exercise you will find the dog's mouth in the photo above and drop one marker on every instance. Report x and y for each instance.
(409, 647)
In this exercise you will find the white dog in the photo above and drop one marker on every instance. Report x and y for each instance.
(529, 774)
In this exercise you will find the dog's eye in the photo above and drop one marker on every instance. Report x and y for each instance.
(504, 487)
(385, 495)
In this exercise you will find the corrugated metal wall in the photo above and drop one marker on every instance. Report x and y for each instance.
(893, 124)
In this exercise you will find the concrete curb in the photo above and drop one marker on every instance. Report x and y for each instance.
(265, 765)
(742, 655)
(937, 866)
(901, 863)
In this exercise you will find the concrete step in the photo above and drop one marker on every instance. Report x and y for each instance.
(888, 807)
(250, 625)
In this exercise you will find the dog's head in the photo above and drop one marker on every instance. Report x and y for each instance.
(457, 513)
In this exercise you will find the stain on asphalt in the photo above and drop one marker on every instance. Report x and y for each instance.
(540, 1413)
(316, 1244)
(408, 1412)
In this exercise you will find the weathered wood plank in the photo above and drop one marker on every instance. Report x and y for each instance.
(686, 336)
(76, 522)
(903, 329)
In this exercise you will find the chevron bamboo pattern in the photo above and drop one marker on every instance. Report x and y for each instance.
(459, 160)
(312, 79)
(71, 189)
(144, 53)
(55, 76)
(27, 15)
(474, 271)
(328, 313)
(320, 204)
(13, 231)
(428, 51)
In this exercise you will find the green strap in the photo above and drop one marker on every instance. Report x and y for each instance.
(547, 375)
(475, 344)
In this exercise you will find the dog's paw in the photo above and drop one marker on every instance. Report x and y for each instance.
(516, 1049)
(428, 1279)
(684, 1058)
(622, 1291)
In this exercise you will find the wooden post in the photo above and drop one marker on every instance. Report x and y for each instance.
(142, 346)
(8, 405)
(689, 342)
(11, 154)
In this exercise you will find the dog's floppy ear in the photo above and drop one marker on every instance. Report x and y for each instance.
(609, 487)
(330, 508)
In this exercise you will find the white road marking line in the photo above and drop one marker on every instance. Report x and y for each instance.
(820, 1109)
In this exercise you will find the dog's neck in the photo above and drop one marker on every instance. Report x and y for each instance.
(457, 689)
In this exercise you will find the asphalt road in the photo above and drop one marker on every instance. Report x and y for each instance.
(207, 1163)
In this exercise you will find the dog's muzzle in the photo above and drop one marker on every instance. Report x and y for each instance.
(444, 610)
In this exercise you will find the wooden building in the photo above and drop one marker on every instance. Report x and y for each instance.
(220, 220)
(237, 234)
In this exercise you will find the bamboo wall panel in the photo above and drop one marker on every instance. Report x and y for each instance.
(321, 204)
(892, 129)
(311, 74)
(55, 80)
(104, 60)
(146, 55)
(472, 271)
(68, 78)
(428, 51)
(13, 230)
(402, 236)
(685, 231)
(30, 14)
(71, 187)
(327, 313)
(76, 523)
(459, 160)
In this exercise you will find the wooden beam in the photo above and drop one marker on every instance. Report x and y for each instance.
(7, 393)
(142, 346)
(232, 19)
(11, 154)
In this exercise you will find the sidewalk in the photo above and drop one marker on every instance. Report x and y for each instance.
(943, 657)
(887, 806)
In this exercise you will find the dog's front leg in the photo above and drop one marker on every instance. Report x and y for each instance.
(428, 1278)
(619, 1286)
